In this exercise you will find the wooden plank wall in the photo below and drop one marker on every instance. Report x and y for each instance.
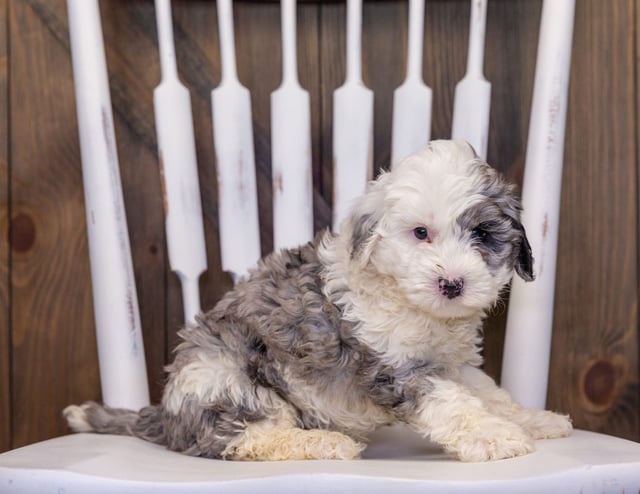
(596, 329)
(47, 341)
(5, 341)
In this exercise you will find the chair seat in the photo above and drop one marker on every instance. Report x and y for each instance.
(395, 459)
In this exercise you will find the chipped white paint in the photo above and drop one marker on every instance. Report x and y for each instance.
(352, 124)
(291, 146)
(177, 155)
(411, 128)
(123, 374)
(233, 139)
(528, 340)
(472, 101)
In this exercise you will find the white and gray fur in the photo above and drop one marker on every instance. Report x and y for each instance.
(353, 331)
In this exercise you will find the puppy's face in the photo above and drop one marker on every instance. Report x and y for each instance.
(445, 229)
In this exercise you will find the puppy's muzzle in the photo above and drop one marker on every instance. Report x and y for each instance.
(450, 288)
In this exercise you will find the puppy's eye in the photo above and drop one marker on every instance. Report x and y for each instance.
(421, 233)
(480, 234)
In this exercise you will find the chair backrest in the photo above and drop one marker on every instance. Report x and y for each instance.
(117, 321)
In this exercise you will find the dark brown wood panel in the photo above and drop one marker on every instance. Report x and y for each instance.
(54, 352)
(310, 73)
(445, 55)
(259, 58)
(5, 340)
(332, 59)
(511, 45)
(594, 366)
(383, 37)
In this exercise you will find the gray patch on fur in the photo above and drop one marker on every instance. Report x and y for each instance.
(400, 388)
(506, 241)
(201, 429)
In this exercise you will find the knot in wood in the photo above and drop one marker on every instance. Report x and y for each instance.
(22, 233)
(599, 384)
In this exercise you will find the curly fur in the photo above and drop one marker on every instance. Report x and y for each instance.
(379, 324)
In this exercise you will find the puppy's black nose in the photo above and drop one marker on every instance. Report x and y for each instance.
(450, 288)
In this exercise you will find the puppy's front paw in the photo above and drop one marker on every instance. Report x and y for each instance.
(542, 424)
(495, 440)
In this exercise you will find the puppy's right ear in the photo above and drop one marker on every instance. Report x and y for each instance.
(364, 219)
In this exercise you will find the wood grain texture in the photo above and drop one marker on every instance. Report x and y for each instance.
(5, 339)
(309, 72)
(594, 374)
(595, 340)
(53, 342)
(332, 60)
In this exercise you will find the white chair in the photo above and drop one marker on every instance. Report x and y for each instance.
(396, 460)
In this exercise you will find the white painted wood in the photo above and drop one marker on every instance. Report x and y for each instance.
(233, 139)
(530, 318)
(123, 374)
(472, 100)
(352, 124)
(291, 146)
(179, 170)
(411, 129)
(396, 461)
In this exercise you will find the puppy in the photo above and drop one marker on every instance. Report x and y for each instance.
(379, 324)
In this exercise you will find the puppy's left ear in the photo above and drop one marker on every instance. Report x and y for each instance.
(364, 218)
(524, 261)
(363, 237)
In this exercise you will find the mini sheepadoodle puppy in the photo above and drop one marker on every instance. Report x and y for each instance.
(379, 324)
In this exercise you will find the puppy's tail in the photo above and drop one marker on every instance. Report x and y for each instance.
(146, 424)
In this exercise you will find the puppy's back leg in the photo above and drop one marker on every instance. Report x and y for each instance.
(265, 441)
(539, 424)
